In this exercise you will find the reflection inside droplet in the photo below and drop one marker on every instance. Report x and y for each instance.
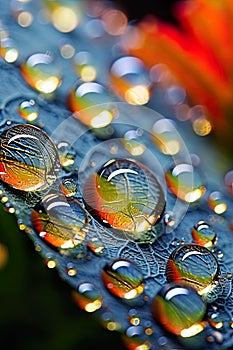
(28, 158)
(125, 195)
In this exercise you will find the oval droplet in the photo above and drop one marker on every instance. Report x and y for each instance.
(58, 222)
(68, 187)
(96, 246)
(41, 72)
(92, 104)
(123, 279)
(67, 155)
(132, 143)
(129, 80)
(84, 66)
(135, 338)
(125, 195)
(204, 234)
(87, 297)
(216, 202)
(28, 110)
(166, 137)
(185, 182)
(28, 158)
(179, 309)
(195, 265)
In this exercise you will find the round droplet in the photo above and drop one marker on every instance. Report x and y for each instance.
(96, 246)
(132, 143)
(87, 297)
(8, 50)
(185, 182)
(204, 234)
(92, 104)
(41, 72)
(228, 180)
(216, 320)
(129, 80)
(123, 279)
(135, 338)
(125, 195)
(28, 158)
(165, 137)
(169, 219)
(68, 187)
(28, 110)
(216, 202)
(179, 309)
(195, 265)
(58, 222)
(67, 155)
(71, 269)
(84, 66)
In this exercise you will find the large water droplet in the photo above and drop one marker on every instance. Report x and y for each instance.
(123, 279)
(58, 222)
(28, 158)
(204, 234)
(125, 195)
(195, 265)
(185, 182)
(179, 309)
(41, 72)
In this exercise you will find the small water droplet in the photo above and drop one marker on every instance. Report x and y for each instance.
(125, 195)
(179, 309)
(195, 265)
(41, 72)
(123, 279)
(185, 182)
(169, 219)
(134, 338)
(132, 143)
(165, 137)
(28, 110)
(60, 223)
(87, 297)
(96, 246)
(84, 65)
(204, 234)
(92, 104)
(216, 320)
(71, 269)
(130, 80)
(216, 202)
(68, 187)
(67, 155)
(28, 158)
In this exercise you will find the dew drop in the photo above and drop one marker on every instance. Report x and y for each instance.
(28, 110)
(125, 195)
(84, 66)
(8, 50)
(130, 80)
(41, 73)
(185, 182)
(68, 187)
(194, 265)
(216, 202)
(92, 104)
(58, 222)
(123, 279)
(87, 297)
(204, 234)
(216, 320)
(132, 143)
(96, 246)
(179, 309)
(165, 137)
(28, 158)
(134, 338)
(67, 155)
(71, 269)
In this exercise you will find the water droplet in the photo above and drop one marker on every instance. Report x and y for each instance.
(134, 338)
(8, 50)
(28, 158)
(41, 72)
(123, 279)
(179, 309)
(92, 104)
(216, 202)
(130, 80)
(60, 223)
(125, 195)
(204, 234)
(68, 187)
(67, 155)
(132, 143)
(71, 269)
(96, 246)
(185, 182)
(134, 317)
(228, 180)
(195, 265)
(216, 320)
(165, 137)
(169, 219)
(28, 110)
(87, 297)
(84, 65)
